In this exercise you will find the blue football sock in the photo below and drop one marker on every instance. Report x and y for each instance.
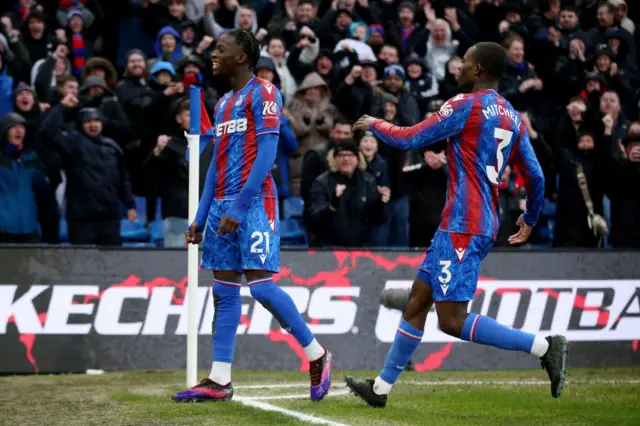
(228, 309)
(406, 342)
(486, 330)
(281, 306)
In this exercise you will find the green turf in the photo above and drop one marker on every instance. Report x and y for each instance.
(592, 397)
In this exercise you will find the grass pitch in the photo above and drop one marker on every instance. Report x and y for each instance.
(591, 397)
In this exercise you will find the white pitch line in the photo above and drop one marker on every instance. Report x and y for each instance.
(341, 392)
(295, 385)
(295, 414)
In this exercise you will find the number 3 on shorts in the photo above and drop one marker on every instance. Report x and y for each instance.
(446, 277)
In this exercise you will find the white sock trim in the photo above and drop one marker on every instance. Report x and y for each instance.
(220, 372)
(381, 387)
(540, 346)
(314, 350)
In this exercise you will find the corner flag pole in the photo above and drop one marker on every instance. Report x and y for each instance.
(193, 139)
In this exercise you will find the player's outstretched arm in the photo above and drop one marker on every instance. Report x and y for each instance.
(447, 122)
(265, 157)
(525, 160)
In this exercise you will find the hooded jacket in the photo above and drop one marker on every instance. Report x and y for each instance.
(311, 122)
(177, 53)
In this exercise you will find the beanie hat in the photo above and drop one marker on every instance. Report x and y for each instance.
(87, 114)
(407, 5)
(394, 69)
(346, 145)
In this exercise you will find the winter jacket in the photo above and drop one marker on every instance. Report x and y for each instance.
(287, 145)
(311, 122)
(6, 88)
(514, 76)
(377, 168)
(19, 177)
(358, 210)
(625, 204)
(168, 176)
(97, 184)
(354, 100)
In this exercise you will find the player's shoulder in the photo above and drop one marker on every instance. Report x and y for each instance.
(265, 88)
(455, 103)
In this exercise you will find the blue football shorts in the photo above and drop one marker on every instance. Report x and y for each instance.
(255, 245)
(451, 265)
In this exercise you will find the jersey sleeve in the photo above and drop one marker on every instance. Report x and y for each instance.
(524, 158)
(447, 122)
(267, 109)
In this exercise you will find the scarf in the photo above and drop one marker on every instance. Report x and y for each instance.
(24, 12)
(405, 35)
(78, 52)
(68, 4)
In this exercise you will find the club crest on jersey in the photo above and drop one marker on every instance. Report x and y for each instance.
(269, 108)
(240, 100)
(446, 109)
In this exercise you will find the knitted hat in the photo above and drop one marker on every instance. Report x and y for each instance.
(407, 5)
(74, 12)
(377, 28)
(346, 145)
(10, 120)
(394, 69)
(87, 114)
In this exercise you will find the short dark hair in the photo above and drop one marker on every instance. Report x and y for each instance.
(340, 120)
(249, 44)
(61, 80)
(610, 8)
(492, 57)
(570, 8)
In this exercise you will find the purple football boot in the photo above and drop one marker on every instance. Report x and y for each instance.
(320, 372)
(206, 390)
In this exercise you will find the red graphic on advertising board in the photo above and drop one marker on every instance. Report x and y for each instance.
(337, 275)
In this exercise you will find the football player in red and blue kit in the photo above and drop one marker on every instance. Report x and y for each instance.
(484, 133)
(239, 204)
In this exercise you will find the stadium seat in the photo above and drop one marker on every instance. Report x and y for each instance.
(157, 232)
(141, 208)
(133, 231)
(64, 231)
(292, 207)
(292, 233)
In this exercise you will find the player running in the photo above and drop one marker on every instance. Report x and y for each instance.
(240, 202)
(485, 134)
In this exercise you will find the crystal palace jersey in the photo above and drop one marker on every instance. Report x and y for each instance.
(239, 119)
(485, 134)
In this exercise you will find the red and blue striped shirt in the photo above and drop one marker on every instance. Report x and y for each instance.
(485, 134)
(239, 119)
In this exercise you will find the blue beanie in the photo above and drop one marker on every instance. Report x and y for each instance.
(87, 114)
(394, 69)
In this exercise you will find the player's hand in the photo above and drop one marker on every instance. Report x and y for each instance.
(363, 123)
(132, 215)
(228, 225)
(523, 233)
(192, 234)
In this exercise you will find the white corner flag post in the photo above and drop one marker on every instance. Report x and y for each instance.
(193, 139)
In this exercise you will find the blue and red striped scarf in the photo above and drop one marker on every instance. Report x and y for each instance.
(24, 12)
(68, 4)
(405, 34)
(79, 53)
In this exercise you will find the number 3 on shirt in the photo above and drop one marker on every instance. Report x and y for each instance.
(504, 136)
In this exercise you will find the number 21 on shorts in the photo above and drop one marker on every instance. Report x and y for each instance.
(504, 136)
(260, 237)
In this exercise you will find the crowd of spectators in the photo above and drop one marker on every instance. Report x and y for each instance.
(94, 105)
